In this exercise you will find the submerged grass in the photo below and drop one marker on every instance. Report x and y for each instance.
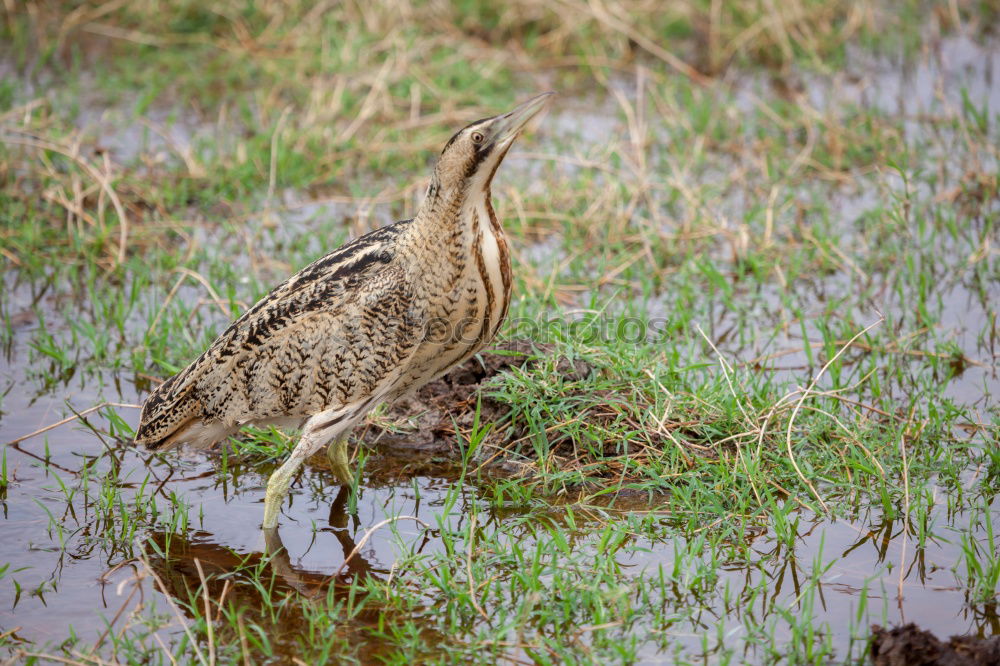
(762, 286)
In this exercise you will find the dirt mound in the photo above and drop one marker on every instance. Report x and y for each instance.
(418, 432)
(911, 646)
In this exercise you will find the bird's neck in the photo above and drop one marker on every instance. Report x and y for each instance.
(462, 235)
(455, 217)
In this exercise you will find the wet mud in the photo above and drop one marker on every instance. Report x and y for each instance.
(909, 645)
(425, 442)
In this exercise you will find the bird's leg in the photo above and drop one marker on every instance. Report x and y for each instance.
(339, 460)
(281, 479)
(277, 488)
(316, 432)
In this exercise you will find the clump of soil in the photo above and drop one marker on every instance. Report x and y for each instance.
(424, 442)
(911, 646)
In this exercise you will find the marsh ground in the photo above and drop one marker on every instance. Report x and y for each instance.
(756, 242)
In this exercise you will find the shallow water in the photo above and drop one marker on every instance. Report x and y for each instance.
(64, 553)
(63, 559)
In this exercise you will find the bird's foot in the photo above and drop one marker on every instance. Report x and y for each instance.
(277, 489)
(336, 453)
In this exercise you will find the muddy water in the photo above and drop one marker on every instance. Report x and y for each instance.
(60, 555)
(63, 553)
(859, 559)
(63, 560)
(71, 574)
(963, 312)
(67, 574)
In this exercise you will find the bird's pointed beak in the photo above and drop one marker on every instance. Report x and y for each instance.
(510, 124)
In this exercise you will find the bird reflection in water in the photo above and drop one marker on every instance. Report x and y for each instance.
(355, 566)
(255, 584)
(176, 564)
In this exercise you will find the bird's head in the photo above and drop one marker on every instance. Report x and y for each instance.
(472, 155)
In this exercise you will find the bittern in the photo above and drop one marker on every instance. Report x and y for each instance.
(381, 316)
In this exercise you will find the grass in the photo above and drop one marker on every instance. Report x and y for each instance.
(770, 400)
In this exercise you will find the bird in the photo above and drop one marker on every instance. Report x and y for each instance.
(365, 324)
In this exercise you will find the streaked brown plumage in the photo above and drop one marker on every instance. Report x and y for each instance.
(382, 315)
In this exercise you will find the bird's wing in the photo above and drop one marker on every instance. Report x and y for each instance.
(328, 333)
(329, 357)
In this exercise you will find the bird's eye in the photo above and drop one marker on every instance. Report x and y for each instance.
(477, 137)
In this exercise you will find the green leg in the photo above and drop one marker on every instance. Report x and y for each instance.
(313, 438)
(340, 461)
(277, 489)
